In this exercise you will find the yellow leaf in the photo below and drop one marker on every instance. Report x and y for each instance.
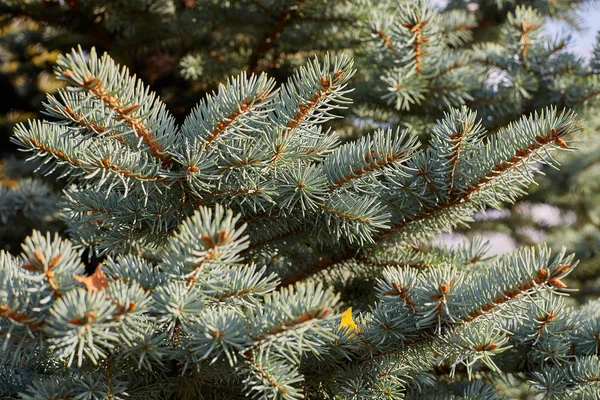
(347, 321)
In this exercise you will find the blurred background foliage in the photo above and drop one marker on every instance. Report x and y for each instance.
(184, 48)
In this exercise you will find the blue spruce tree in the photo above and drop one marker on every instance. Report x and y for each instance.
(262, 247)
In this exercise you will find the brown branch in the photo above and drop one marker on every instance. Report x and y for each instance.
(441, 298)
(344, 215)
(519, 156)
(513, 162)
(387, 42)
(265, 375)
(18, 317)
(542, 278)
(372, 164)
(212, 253)
(402, 292)
(93, 126)
(123, 112)
(176, 334)
(509, 294)
(282, 327)
(305, 109)
(106, 164)
(49, 270)
(221, 126)
(233, 192)
(425, 174)
(455, 156)
(134, 212)
(451, 68)
(236, 293)
(279, 150)
(525, 28)
(419, 41)
(109, 367)
(411, 192)
(268, 42)
(556, 49)
(240, 164)
(384, 264)
(58, 154)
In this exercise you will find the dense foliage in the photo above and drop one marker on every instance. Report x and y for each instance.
(263, 246)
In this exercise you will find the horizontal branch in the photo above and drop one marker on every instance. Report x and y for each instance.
(326, 86)
(124, 112)
(519, 157)
(542, 277)
(372, 164)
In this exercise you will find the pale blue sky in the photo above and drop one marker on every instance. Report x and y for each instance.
(583, 41)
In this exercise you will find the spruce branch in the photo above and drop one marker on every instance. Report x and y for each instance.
(494, 171)
(271, 379)
(509, 156)
(114, 165)
(314, 90)
(523, 27)
(214, 232)
(235, 108)
(579, 379)
(379, 26)
(134, 111)
(371, 156)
